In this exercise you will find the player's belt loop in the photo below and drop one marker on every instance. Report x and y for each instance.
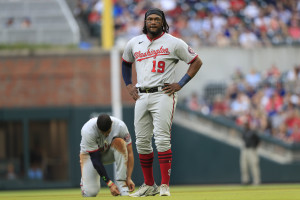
(148, 90)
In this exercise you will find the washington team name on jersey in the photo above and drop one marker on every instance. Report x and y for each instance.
(151, 53)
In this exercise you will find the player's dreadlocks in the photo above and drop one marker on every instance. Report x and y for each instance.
(104, 122)
(165, 26)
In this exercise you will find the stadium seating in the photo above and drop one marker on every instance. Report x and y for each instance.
(37, 22)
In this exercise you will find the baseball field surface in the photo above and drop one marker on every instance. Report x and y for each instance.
(199, 192)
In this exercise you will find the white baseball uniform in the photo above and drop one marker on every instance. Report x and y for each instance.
(93, 140)
(155, 62)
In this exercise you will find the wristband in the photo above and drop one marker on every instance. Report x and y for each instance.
(110, 183)
(185, 79)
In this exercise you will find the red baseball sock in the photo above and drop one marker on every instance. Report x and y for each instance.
(165, 161)
(146, 161)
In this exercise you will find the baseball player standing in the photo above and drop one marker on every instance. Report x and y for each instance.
(155, 54)
(105, 140)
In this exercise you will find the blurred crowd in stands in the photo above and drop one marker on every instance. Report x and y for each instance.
(269, 100)
(246, 23)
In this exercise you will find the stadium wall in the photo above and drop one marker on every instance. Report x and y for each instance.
(197, 159)
(58, 78)
(82, 78)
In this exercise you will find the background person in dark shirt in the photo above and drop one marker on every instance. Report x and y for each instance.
(249, 159)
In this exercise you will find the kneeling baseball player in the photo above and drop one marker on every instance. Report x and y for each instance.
(105, 140)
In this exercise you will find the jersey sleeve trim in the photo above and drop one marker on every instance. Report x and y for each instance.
(93, 151)
(193, 59)
(126, 61)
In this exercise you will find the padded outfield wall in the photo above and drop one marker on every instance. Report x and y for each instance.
(197, 159)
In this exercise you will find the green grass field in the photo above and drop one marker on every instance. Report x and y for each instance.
(201, 192)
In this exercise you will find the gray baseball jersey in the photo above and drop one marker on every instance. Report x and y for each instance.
(92, 139)
(155, 60)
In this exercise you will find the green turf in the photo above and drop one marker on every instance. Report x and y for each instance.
(224, 192)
